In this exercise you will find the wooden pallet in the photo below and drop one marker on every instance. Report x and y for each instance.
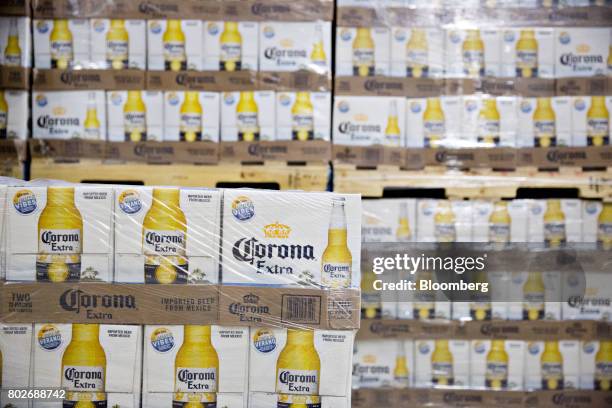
(270, 174)
(11, 169)
(471, 184)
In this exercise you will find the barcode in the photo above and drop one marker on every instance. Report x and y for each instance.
(301, 309)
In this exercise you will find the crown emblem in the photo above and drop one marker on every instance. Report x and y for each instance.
(250, 298)
(583, 48)
(277, 230)
(59, 110)
(369, 359)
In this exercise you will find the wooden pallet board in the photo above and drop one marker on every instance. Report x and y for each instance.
(309, 178)
(471, 184)
(11, 169)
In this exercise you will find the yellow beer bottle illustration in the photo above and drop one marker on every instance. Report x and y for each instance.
(91, 126)
(489, 123)
(433, 123)
(135, 117)
(544, 128)
(444, 221)
(363, 53)
(298, 371)
(527, 55)
(164, 237)
(12, 52)
(604, 226)
(598, 122)
(551, 365)
(61, 45)
(190, 128)
(473, 54)
(196, 370)
(247, 117)
(175, 56)
(392, 131)
(417, 51)
(337, 261)
(424, 306)
(302, 117)
(554, 224)
(231, 47)
(603, 366)
(60, 237)
(117, 45)
(3, 116)
(370, 298)
(403, 233)
(533, 297)
(480, 303)
(496, 374)
(317, 56)
(84, 368)
(499, 223)
(401, 375)
(442, 372)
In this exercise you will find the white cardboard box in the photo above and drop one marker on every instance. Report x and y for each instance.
(199, 239)
(122, 121)
(135, 49)
(95, 240)
(63, 115)
(79, 48)
(207, 124)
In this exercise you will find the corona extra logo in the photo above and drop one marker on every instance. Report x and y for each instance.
(75, 300)
(249, 249)
(277, 230)
(275, 53)
(261, 9)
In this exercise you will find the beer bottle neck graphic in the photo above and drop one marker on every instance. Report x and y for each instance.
(191, 97)
(60, 196)
(119, 24)
(167, 198)
(85, 332)
(337, 223)
(498, 345)
(551, 347)
(605, 347)
(300, 337)
(442, 346)
(197, 334)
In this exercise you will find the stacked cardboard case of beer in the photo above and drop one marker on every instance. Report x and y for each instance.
(195, 73)
(249, 241)
(483, 363)
(412, 74)
(15, 63)
(421, 63)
